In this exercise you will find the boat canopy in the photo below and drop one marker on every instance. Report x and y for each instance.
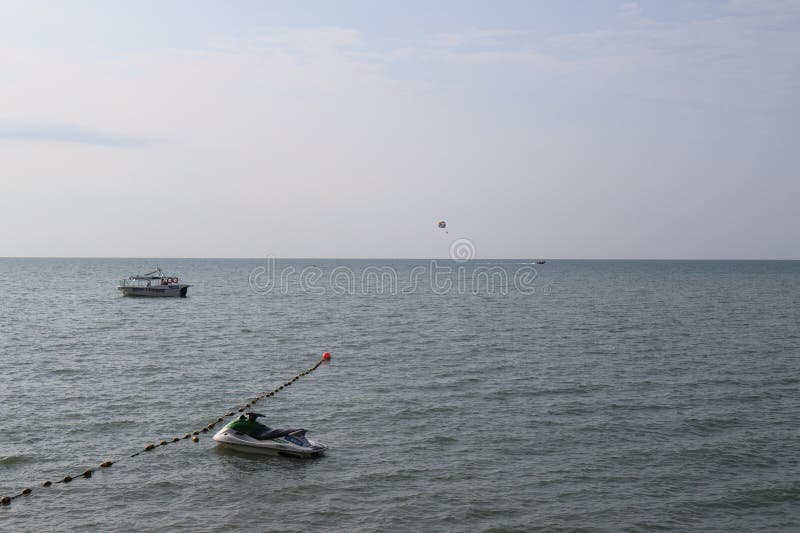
(155, 274)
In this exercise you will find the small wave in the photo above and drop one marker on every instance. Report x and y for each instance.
(577, 390)
(423, 413)
(442, 439)
(704, 426)
(166, 484)
(641, 407)
(113, 424)
(66, 371)
(761, 497)
(9, 460)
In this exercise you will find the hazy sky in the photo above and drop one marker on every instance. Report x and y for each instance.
(572, 129)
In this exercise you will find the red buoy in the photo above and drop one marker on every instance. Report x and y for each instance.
(326, 356)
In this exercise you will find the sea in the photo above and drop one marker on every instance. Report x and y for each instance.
(476, 395)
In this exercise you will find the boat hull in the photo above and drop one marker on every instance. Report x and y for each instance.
(169, 291)
(245, 444)
(242, 448)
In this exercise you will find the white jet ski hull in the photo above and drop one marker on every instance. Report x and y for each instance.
(302, 447)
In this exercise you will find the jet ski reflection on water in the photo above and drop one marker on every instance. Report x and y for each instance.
(248, 435)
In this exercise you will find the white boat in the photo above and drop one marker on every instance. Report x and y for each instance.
(154, 283)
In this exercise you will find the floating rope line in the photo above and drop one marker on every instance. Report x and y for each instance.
(193, 435)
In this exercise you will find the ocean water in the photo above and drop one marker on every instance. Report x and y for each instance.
(493, 396)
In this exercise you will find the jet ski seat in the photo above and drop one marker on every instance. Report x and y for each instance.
(269, 434)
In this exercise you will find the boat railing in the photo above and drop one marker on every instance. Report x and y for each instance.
(137, 281)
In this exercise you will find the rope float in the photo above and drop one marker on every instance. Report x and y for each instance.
(194, 435)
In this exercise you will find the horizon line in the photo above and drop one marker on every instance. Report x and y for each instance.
(399, 258)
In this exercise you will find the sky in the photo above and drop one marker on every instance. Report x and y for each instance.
(570, 129)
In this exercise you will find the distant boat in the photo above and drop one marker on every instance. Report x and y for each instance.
(154, 283)
(540, 261)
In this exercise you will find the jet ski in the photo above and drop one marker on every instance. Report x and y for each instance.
(246, 434)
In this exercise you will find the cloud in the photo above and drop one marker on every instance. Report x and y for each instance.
(477, 39)
(314, 40)
(39, 131)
